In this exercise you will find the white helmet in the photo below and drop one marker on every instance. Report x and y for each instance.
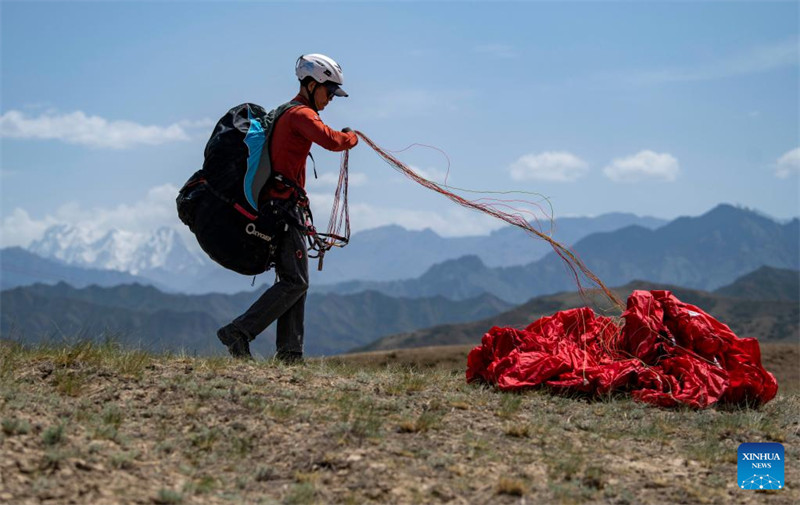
(322, 69)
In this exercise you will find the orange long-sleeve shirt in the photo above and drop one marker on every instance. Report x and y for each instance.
(292, 136)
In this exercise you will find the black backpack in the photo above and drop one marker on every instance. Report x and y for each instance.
(220, 202)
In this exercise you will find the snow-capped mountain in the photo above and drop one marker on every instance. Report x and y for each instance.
(66, 243)
(165, 249)
(160, 258)
(119, 250)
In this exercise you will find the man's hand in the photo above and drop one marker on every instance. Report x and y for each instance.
(350, 130)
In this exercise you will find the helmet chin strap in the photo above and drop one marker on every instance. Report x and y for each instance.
(311, 97)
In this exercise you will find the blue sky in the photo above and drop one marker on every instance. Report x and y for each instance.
(661, 109)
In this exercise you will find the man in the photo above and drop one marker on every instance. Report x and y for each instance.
(294, 132)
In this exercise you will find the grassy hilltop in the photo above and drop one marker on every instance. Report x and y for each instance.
(98, 424)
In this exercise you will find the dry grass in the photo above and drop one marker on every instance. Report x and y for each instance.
(99, 424)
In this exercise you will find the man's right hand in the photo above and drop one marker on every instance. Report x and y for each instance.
(347, 130)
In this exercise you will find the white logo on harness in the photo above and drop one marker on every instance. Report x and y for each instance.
(693, 313)
(250, 229)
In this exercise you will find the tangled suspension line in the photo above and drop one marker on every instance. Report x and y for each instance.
(338, 233)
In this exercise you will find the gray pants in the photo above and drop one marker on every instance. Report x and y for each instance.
(285, 300)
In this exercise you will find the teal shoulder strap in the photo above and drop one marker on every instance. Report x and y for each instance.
(259, 164)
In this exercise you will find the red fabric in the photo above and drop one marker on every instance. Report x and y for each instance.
(667, 353)
(292, 137)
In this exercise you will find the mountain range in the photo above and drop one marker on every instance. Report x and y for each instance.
(386, 253)
(391, 252)
(765, 306)
(118, 250)
(144, 316)
(726, 245)
(766, 283)
(21, 267)
(703, 252)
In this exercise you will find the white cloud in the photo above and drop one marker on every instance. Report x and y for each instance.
(19, 229)
(93, 131)
(503, 51)
(155, 210)
(196, 123)
(788, 164)
(433, 174)
(559, 166)
(643, 165)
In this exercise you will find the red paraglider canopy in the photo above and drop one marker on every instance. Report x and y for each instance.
(667, 353)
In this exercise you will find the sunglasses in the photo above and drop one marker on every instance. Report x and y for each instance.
(331, 88)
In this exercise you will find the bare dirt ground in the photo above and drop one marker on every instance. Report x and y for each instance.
(91, 424)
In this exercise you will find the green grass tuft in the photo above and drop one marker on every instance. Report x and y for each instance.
(53, 435)
(168, 497)
(15, 426)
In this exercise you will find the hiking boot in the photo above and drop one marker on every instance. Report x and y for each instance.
(289, 357)
(237, 342)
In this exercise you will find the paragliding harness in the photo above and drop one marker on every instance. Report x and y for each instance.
(220, 202)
